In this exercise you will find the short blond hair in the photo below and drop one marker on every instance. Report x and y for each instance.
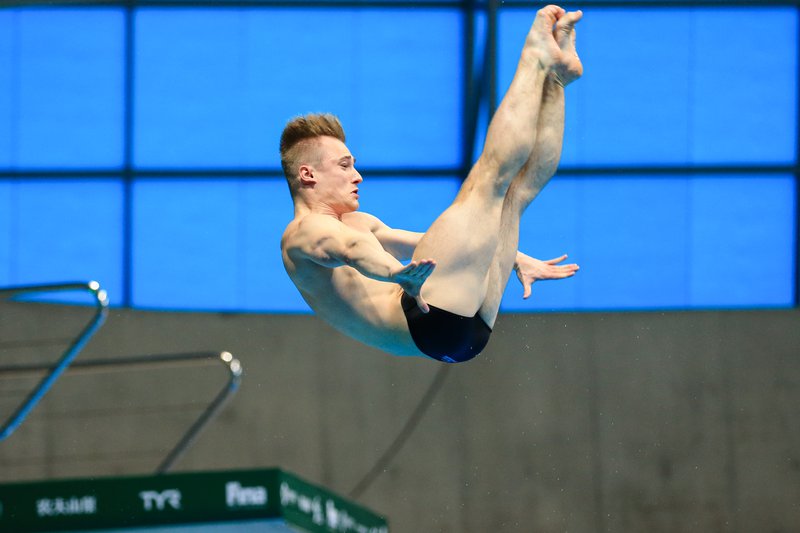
(299, 136)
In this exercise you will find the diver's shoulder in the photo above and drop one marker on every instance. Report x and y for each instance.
(360, 218)
(307, 228)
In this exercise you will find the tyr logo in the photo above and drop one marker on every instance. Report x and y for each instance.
(161, 499)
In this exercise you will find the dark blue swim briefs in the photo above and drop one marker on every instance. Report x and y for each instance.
(443, 335)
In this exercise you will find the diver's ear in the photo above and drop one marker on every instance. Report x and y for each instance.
(307, 178)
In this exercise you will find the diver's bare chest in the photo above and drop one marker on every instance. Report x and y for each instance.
(353, 221)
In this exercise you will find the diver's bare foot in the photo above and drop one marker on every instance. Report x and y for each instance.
(568, 66)
(541, 39)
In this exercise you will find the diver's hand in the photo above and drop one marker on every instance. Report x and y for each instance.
(412, 276)
(530, 270)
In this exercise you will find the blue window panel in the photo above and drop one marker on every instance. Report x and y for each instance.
(185, 243)
(61, 102)
(63, 230)
(627, 235)
(670, 99)
(610, 116)
(666, 242)
(264, 285)
(410, 204)
(634, 234)
(634, 102)
(7, 94)
(215, 87)
(742, 248)
(212, 245)
(744, 107)
(550, 228)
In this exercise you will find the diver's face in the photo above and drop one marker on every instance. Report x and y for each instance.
(337, 177)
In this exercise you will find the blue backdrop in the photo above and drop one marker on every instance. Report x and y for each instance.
(211, 89)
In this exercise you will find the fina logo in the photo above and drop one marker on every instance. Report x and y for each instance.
(238, 496)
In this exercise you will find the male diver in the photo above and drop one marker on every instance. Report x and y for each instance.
(442, 304)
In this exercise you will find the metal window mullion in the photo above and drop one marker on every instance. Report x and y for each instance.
(127, 161)
(490, 58)
(797, 176)
(469, 91)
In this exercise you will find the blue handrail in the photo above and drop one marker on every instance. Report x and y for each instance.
(233, 366)
(101, 299)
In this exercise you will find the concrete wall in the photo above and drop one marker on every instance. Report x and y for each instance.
(657, 422)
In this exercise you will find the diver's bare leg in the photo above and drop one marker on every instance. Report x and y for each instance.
(524, 188)
(540, 167)
(464, 239)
